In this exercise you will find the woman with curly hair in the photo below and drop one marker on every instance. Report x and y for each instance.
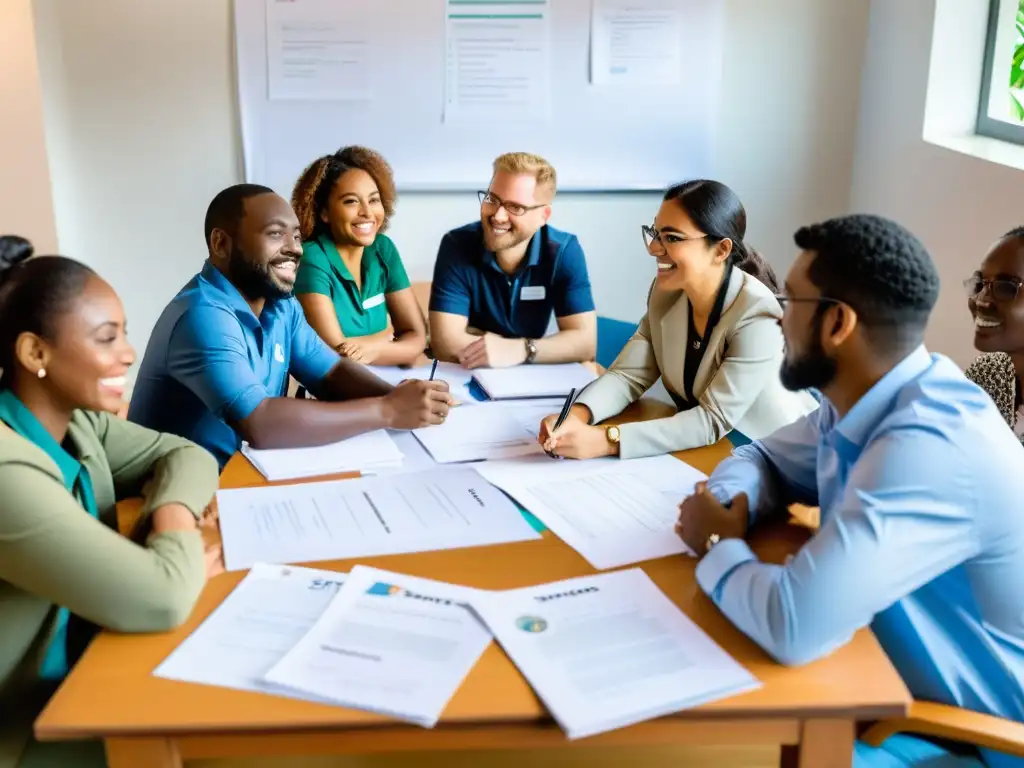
(351, 278)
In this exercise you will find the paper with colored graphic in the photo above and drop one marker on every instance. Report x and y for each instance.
(387, 515)
(388, 643)
(609, 650)
(264, 616)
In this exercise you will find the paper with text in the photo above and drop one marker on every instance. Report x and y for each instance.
(613, 512)
(610, 650)
(367, 453)
(388, 643)
(263, 617)
(488, 431)
(417, 512)
(636, 42)
(455, 376)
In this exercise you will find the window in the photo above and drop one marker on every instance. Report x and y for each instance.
(1001, 107)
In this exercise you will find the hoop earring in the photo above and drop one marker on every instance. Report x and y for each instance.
(41, 373)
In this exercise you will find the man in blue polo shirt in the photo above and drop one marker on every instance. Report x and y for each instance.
(216, 367)
(498, 281)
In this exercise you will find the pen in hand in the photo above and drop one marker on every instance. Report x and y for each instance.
(433, 370)
(566, 407)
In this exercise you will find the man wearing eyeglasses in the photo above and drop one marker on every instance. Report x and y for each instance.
(497, 282)
(919, 483)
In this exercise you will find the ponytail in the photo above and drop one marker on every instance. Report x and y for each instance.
(753, 263)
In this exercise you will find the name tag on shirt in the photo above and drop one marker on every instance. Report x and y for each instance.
(278, 353)
(533, 293)
(373, 301)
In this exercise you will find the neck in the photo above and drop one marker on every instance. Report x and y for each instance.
(350, 254)
(845, 391)
(256, 305)
(53, 416)
(702, 294)
(510, 258)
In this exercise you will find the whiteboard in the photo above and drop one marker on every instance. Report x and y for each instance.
(599, 138)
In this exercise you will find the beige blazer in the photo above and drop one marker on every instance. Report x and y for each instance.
(737, 384)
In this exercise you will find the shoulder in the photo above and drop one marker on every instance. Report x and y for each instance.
(754, 300)
(993, 369)
(461, 247)
(20, 455)
(561, 240)
(386, 249)
(313, 254)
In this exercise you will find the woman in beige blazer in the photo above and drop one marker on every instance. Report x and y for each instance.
(711, 333)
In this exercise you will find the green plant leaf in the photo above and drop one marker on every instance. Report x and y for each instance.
(1017, 108)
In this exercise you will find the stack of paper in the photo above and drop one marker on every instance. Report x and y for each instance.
(388, 643)
(366, 453)
(488, 431)
(455, 376)
(614, 512)
(256, 625)
(610, 650)
(533, 380)
(338, 519)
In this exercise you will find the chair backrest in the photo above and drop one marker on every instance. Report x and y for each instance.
(422, 293)
(612, 336)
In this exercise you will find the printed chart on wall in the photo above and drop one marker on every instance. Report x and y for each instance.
(442, 87)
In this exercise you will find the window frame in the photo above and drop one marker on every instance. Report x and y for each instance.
(986, 125)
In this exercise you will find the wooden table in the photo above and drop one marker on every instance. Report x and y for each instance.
(147, 721)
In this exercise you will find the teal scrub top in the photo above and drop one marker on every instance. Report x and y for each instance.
(360, 312)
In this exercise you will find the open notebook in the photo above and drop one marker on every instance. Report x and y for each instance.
(527, 381)
(364, 453)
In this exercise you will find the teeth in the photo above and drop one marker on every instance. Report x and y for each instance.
(983, 322)
(368, 227)
(114, 383)
(287, 266)
(662, 267)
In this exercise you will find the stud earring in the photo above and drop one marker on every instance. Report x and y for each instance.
(41, 373)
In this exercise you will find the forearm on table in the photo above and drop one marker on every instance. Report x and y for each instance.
(404, 350)
(284, 422)
(568, 346)
(748, 471)
(349, 380)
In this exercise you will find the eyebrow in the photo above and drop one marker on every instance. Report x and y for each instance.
(672, 229)
(103, 325)
(280, 223)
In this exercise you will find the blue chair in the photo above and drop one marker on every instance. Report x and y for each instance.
(612, 336)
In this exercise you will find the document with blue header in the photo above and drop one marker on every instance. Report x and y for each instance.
(607, 651)
(388, 643)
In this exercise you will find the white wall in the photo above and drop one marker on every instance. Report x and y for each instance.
(25, 205)
(957, 204)
(141, 123)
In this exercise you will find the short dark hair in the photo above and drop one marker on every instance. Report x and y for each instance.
(878, 268)
(1015, 232)
(717, 211)
(34, 292)
(227, 208)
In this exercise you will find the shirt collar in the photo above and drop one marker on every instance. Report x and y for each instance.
(876, 403)
(233, 297)
(19, 418)
(532, 253)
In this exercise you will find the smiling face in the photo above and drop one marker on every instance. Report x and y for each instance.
(684, 256)
(354, 212)
(262, 256)
(86, 353)
(996, 301)
(504, 230)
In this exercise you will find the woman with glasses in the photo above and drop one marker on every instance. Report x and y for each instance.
(351, 282)
(711, 333)
(993, 296)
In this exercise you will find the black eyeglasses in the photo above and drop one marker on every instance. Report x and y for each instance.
(665, 238)
(1004, 289)
(491, 200)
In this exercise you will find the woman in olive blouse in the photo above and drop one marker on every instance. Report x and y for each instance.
(351, 278)
(65, 460)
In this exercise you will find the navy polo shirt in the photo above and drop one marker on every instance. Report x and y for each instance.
(552, 279)
(211, 361)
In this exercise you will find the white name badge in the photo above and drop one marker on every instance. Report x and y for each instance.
(533, 293)
(278, 353)
(373, 301)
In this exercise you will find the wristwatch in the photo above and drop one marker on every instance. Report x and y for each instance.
(713, 539)
(613, 434)
(531, 350)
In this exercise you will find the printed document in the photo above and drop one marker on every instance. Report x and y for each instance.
(388, 643)
(337, 519)
(487, 431)
(263, 617)
(636, 42)
(610, 650)
(613, 512)
(533, 380)
(367, 453)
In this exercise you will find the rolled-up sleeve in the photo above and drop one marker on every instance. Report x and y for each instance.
(208, 355)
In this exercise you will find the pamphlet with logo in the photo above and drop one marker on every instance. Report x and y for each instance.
(608, 651)
(388, 643)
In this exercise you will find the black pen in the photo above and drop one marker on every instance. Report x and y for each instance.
(566, 407)
(433, 370)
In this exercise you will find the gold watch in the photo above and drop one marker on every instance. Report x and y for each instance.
(613, 434)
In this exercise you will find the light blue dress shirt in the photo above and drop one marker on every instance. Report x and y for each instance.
(210, 361)
(921, 491)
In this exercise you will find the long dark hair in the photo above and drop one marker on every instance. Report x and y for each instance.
(34, 292)
(716, 210)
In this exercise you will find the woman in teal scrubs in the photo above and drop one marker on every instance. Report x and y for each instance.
(351, 278)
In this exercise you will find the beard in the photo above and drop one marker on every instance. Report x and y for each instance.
(510, 239)
(812, 370)
(255, 281)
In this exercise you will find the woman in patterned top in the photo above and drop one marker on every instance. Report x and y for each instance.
(995, 301)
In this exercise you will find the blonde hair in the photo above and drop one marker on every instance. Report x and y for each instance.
(524, 162)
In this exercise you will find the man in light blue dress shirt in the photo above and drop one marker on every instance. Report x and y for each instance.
(920, 485)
